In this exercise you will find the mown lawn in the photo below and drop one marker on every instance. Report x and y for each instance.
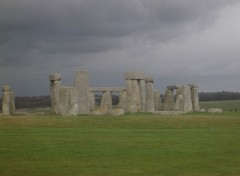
(227, 105)
(133, 144)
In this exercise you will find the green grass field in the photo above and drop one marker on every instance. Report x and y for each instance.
(133, 144)
(228, 105)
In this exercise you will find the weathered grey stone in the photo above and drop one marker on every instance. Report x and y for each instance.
(172, 87)
(100, 111)
(168, 100)
(149, 97)
(55, 84)
(106, 89)
(202, 110)
(68, 101)
(123, 100)
(134, 76)
(149, 79)
(215, 110)
(106, 100)
(6, 88)
(8, 101)
(179, 105)
(142, 88)
(133, 95)
(92, 100)
(12, 103)
(55, 77)
(82, 88)
(195, 98)
(157, 101)
(185, 90)
(169, 112)
(116, 112)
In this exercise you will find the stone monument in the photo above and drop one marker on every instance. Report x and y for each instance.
(8, 101)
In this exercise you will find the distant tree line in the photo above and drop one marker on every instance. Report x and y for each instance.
(44, 101)
(31, 102)
(219, 96)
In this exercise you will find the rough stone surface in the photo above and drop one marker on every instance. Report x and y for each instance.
(169, 112)
(172, 87)
(116, 112)
(157, 101)
(106, 100)
(215, 110)
(134, 76)
(168, 100)
(202, 110)
(12, 103)
(68, 101)
(100, 111)
(142, 88)
(92, 101)
(179, 105)
(55, 77)
(55, 85)
(133, 96)
(149, 79)
(185, 90)
(123, 100)
(195, 98)
(6, 88)
(82, 88)
(8, 101)
(106, 89)
(149, 97)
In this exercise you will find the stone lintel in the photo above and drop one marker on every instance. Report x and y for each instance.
(55, 77)
(134, 76)
(6, 88)
(149, 79)
(106, 89)
(172, 87)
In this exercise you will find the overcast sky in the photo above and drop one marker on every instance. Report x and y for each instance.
(175, 41)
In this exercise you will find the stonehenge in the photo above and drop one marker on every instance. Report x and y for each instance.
(8, 101)
(138, 95)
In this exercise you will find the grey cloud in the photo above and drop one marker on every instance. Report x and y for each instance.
(31, 27)
(166, 38)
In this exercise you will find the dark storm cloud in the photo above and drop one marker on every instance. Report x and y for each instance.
(30, 30)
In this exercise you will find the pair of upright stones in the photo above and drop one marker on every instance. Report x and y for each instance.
(139, 93)
(8, 101)
(71, 100)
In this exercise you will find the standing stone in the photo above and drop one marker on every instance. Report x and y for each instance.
(157, 101)
(55, 84)
(195, 98)
(82, 88)
(8, 101)
(142, 87)
(133, 96)
(135, 91)
(149, 95)
(179, 105)
(168, 100)
(185, 90)
(92, 101)
(68, 101)
(123, 100)
(106, 100)
(12, 103)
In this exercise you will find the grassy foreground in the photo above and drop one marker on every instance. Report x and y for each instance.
(133, 144)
